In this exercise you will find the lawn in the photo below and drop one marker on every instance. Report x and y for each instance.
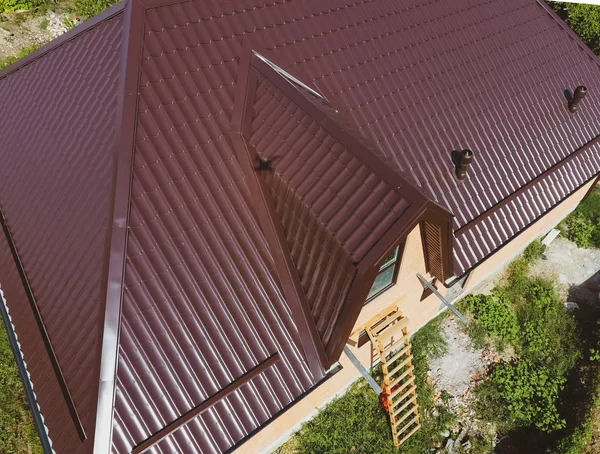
(17, 431)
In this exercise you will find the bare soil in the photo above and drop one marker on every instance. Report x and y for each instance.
(22, 29)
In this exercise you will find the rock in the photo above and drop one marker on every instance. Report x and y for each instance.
(445, 433)
(449, 445)
(466, 445)
(571, 306)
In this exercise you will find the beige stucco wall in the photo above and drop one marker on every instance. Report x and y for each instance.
(406, 293)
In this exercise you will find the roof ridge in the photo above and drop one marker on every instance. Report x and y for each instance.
(117, 230)
(64, 38)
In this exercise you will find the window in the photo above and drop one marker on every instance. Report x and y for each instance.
(387, 275)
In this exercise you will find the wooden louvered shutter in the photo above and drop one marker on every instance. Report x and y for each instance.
(432, 242)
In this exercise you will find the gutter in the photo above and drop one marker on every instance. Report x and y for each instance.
(25, 379)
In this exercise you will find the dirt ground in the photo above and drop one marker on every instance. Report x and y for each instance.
(23, 29)
(575, 270)
(577, 273)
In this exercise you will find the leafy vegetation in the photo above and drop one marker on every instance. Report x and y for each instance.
(357, 423)
(583, 20)
(8, 6)
(10, 60)
(354, 421)
(17, 431)
(527, 314)
(583, 225)
(90, 8)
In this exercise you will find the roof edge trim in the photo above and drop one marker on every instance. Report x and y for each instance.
(117, 233)
(62, 382)
(491, 210)
(65, 37)
(196, 411)
(595, 177)
(38, 419)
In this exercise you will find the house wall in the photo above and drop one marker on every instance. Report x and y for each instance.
(407, 294)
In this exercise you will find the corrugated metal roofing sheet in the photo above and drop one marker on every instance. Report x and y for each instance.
(201, 303)
(55, 186)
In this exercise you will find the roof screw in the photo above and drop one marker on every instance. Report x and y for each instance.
(461, 163)
(578, 95)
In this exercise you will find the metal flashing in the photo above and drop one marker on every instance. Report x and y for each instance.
(118, 228)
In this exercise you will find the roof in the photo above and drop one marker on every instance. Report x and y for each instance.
(197, 214)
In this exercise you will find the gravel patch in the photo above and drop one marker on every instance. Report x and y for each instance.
(453, 372)
(575, 270)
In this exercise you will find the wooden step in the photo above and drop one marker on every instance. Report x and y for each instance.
(397, 356)
(407, 383)
(411, 391)
(412, 411)
(405, 405)
(409, 434)
(394, 344)
(405, 362)
(393, 327)
(404, 374)
(415, 420)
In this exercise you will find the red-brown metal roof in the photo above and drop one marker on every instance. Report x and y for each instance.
(55, 184)
(135, 228)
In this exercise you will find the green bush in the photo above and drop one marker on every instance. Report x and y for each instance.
(534, 251)
(574, 442)
(90, 8)
(580, 230)
(530, 393)
(548, 334)
(494, 313)
(583, 20)
(583, 225)
(8, 6)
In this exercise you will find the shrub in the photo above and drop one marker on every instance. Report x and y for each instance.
(548, 334)
(534, 251)
(583, 225)
(529, 393)
(494, 313)
(8, 6)
(583, 20)
(91, 8)
(580, 230)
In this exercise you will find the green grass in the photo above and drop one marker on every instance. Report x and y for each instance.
(4, 63)
(17, 431)
(356, 422)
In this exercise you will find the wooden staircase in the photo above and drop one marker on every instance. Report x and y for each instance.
(389, 335)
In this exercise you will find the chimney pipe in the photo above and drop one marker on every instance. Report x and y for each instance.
(578, 95)
(464, 159)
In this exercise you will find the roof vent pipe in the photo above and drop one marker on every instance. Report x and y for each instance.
(578, 95)
(462, 162)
